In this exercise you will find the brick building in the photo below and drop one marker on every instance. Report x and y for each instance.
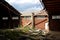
(40, 18)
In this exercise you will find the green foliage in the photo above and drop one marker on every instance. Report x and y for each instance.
(25, 29)
(9, 34)
(15, 34)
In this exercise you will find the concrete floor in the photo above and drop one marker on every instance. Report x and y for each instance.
(53, 35)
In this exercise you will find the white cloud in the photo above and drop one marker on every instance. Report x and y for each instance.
(33, 9)
(11, 1)
(22, 1)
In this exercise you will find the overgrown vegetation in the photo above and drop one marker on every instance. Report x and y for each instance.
(19, 34)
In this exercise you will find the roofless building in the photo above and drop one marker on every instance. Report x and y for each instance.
(9, 16)
(53, 8)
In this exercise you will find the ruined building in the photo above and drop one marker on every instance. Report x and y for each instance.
(53, 9)
(9, 16)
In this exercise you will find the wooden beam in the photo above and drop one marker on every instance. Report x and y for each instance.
(33, 20)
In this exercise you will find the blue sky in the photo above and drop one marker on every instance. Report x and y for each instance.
(25, 5)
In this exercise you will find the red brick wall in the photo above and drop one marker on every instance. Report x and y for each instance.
(39, 22)
(25, 21)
